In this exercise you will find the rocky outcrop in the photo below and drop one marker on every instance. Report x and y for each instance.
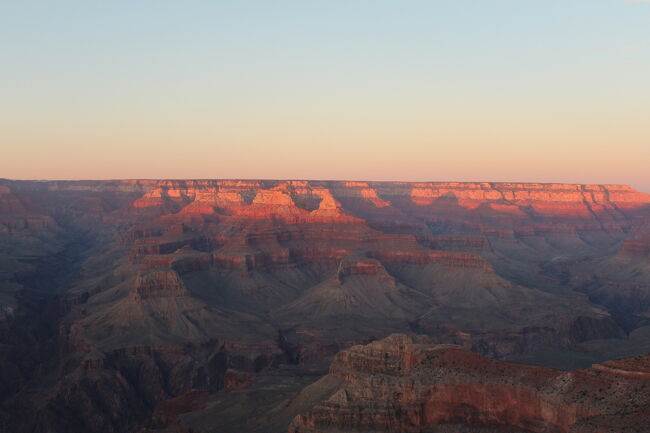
(446, 258)
(640, 248)
(19, 214)
(160, 283)
(458, 243)
(168, 411)
(407, 384)
(362, 267)
(254, 260)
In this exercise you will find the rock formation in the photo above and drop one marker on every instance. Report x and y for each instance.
(408, 384)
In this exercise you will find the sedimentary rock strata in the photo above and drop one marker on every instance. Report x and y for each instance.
(408, 384)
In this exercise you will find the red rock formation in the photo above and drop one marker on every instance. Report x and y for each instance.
(361, 267)
(447, 258)
(518, 194)
(168, 411)
(316, 254)
(9, 203)
(636, 248)
(504, 209)
(249, 261)
(158, 284)
(235, 380)
(17, 213)
(406, 384)
(183, 260)
(457, 243)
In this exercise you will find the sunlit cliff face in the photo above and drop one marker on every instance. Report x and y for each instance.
(306, 197)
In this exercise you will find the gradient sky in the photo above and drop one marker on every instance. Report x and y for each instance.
(495, 90)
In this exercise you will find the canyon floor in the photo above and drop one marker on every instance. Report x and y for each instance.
(323, 306)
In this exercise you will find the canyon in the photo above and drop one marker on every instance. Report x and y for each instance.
(218, 306)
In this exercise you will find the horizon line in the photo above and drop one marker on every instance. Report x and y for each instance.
(154, 179)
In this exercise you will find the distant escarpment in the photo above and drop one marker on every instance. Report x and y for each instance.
(408, 384)
(19, 214)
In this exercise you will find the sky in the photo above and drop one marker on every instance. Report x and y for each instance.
(431, 90)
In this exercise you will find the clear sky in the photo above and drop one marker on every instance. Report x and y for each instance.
(495, 90)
